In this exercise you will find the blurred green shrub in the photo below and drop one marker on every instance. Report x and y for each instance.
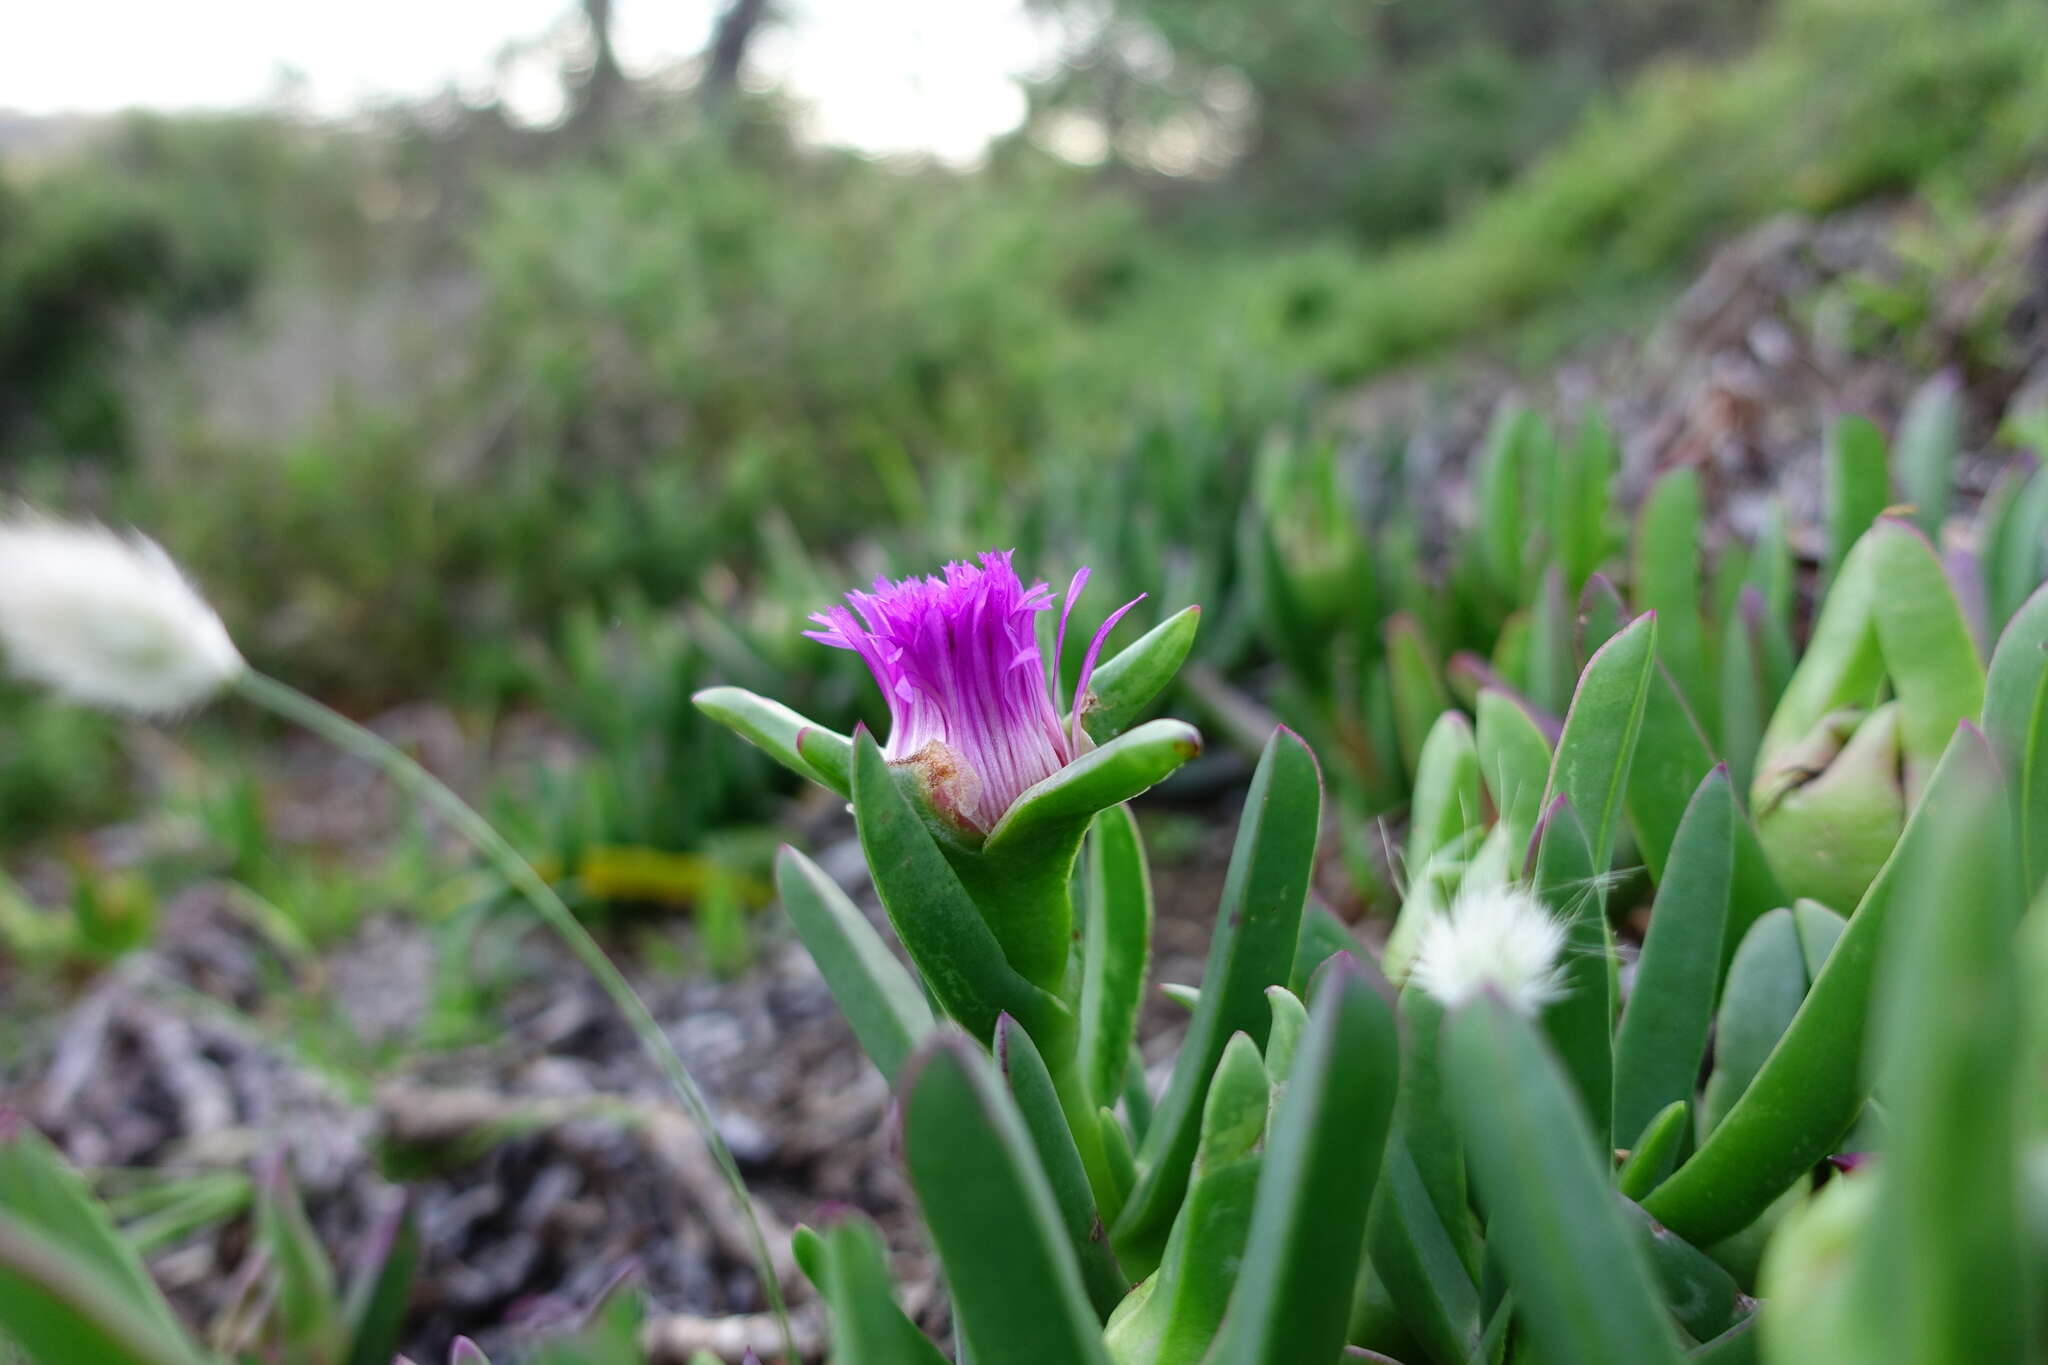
(1845, 100)
(167, 219)
(60, 766)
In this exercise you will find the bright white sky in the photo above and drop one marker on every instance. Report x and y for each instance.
(882, 75)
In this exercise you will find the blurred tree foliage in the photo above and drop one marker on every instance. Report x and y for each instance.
(1357, 116)
(457, 374)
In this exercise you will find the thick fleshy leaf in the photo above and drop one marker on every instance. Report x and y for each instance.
(1551, 670)
(847, 1263)
(1842, 667)
(62, 1307)
(2016, 723)
(1018, 1298)
(1810, 1279)
(1172, 1317)
(1667, 582)
(1117, 948)
(1602, 614)
(1094, 782)
(1930, 429)
(1045, 1119)
(1323, 936)
(1582, 505)
(1582, 1285)
(1293, 1294)
(1766, 984)
(958, 955)
(778, 732)
(45, 1197)
(1600, 730)
(1499, 483)
(1670, 1011)
(881, 1001)
(1419, 694)
(1514, 762)
(1672, 757)
(1126, 682)
(1945, 1264)
(1447, 803)
(1858, 487)
(2015, 520)
(1837, 814)
(1418, 1259)
(1656, 1151)
(1283, 1038)
(1745, 694)
(1700, 1294)
(1423, 1125)
(1810, 1088)
(1928, 648)
(1581, 1021)
(1258, 926)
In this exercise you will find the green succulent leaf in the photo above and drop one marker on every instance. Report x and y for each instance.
(1419, 694)
(1127, 681)
(880, 1000)
(1930, 430)
(1172, 1317)
(1258, 926)
(2016, 723)
(1514, 761)
(1667, 583)
(1600, 731)
(956, 952)
(1117, 948)
(1656, 1151)
(1700, 1295)
(1293, 1295)
(1018, 1298)
(1809, 1090)
(848, 1264)
(1670, 1011)
(61, 1306)
(1098, 780)
(1928, 648)
(1945, 1263)
(1581, 1021)
(779, 732)
(1765, 986)
(1045, 1119)
(1858, 487)
(1582, 1285)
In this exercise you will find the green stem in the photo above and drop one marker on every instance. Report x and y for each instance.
(295, 706)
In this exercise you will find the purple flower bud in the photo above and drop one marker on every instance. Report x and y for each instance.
(970, 702)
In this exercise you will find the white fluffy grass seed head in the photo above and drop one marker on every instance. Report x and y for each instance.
(1502, 940)
(107, 619)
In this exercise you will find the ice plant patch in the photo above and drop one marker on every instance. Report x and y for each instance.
(971, 705)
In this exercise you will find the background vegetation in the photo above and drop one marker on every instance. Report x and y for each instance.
(541, 429)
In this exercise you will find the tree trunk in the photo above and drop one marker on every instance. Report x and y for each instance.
(736, 29)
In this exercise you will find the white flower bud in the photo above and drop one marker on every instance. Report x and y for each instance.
(1501, 939)
(107, 620)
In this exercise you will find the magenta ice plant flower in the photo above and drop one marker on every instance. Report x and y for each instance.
(972, 705)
